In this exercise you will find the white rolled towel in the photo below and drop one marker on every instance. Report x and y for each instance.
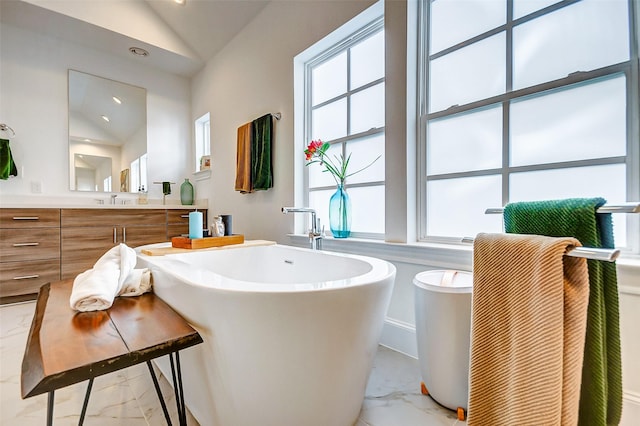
(112, 275)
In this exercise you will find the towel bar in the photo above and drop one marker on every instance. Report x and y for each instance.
(623, 208)
(5, 127)
(607, 255)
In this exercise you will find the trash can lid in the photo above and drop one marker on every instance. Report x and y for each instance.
(445, 281)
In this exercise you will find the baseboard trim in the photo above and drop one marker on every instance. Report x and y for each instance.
(399, 336)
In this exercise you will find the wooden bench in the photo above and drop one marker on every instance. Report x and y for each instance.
(66, 347)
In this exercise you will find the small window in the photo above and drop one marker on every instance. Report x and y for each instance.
(203, 141)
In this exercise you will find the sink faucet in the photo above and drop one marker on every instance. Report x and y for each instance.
(315, 236)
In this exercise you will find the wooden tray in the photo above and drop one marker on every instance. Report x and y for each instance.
(198, 243)
(162, 251)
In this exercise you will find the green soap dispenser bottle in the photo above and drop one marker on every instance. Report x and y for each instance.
(186, 193)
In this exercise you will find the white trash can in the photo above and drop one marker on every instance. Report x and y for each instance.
(443, 332)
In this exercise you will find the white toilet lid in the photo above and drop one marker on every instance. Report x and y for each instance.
(445, 281)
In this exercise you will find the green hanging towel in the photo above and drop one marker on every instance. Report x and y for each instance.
(7, 166)
(261, 160)
(601, 389)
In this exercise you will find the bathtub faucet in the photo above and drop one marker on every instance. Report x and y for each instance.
(315, 234)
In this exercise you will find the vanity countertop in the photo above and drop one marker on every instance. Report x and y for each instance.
(62, 202)
(102, 206)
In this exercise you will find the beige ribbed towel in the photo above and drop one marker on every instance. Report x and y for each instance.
(528, 325)
(243, 159)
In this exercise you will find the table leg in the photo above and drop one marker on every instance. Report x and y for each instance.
(179, 405)
(159, 392)
(50, 408)
(86, 402)
(183, 408)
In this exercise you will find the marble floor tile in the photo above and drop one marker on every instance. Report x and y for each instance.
(127, 397)
(393, 395)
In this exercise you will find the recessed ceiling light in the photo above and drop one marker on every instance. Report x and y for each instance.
(180, 1)
(138, 51)
(87, 140)
(105, 118)
(116, 100)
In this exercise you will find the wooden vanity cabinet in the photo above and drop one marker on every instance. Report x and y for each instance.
(46, 245)
(88, 233)
(29, 251)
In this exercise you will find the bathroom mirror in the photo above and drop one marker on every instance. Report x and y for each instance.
(107, 134)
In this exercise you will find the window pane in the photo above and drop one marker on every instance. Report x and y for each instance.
(367, 61)
(576, 124)
(469, 74)
(607, 181)
(525, 7)
(319, 200)
(367, 205)
(464, 142)
(581, 37)
(455, 207)
(330, 121)
(367, 208)
(456, 21)
(317, 175)
(367, 109)
(364, 151)
(329, 79)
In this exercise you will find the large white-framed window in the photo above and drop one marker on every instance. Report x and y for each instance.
(344, 104)
(522, 100)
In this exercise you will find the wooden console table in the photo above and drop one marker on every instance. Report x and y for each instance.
(66, 347)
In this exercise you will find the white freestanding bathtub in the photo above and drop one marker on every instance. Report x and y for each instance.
(289, 334)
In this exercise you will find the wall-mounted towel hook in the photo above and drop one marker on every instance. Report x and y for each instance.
(7, 128)
(276, 115)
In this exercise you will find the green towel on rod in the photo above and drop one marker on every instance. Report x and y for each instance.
(7, 166)
(166, 188)
(601, 389)
(261, 159)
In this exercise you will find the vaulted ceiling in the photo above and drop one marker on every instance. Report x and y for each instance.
(179, 38)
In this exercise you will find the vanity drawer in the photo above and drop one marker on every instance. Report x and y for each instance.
(29, 218)
(20, 278)
(31, 244)
(112, 217)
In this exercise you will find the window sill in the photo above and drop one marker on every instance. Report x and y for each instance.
(449, 256)
(202, 175)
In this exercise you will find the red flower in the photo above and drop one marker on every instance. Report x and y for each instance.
(312, 148)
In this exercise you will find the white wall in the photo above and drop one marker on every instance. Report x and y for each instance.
(250, 77)
(33, 83)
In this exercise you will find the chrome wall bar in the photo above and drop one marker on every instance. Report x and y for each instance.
(607, 255)
(622, 208)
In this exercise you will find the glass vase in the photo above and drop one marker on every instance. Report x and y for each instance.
(186, 193)
(340, 213)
